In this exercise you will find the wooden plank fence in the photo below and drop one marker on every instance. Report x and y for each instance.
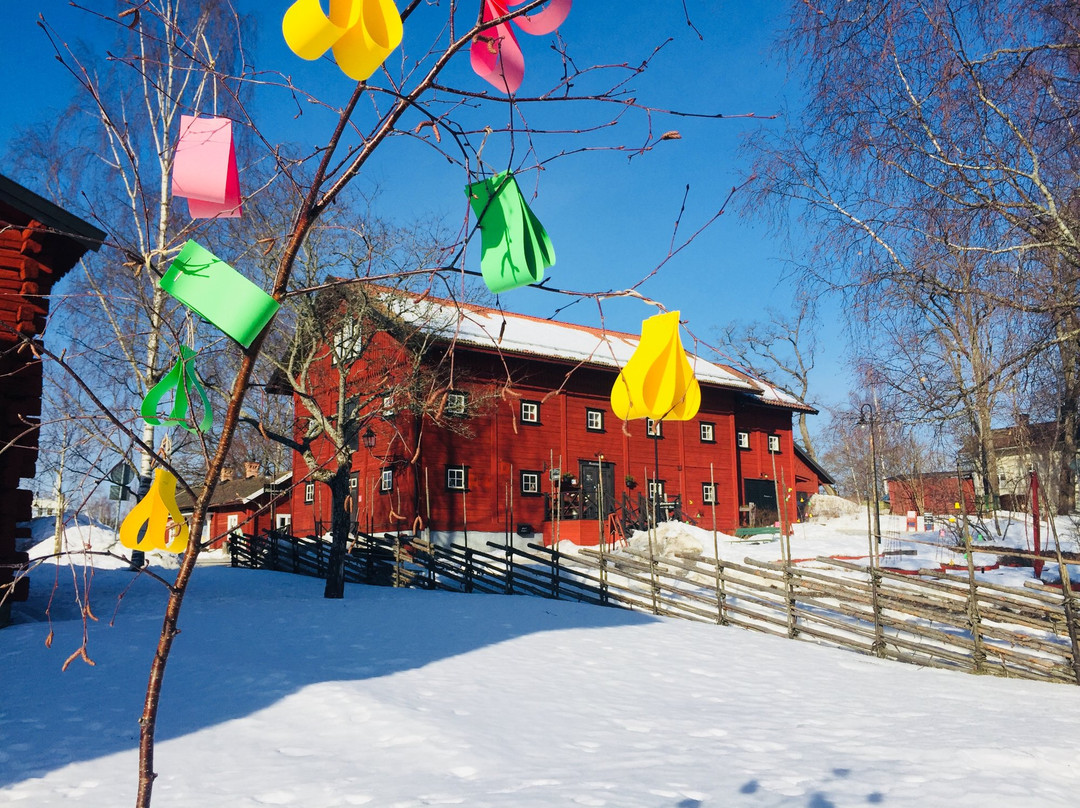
(933, 619)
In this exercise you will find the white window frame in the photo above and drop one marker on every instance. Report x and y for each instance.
(457, 403)
(774, 444)
(594, 420)
(388, 406)
(386, 480)
(309, 493)
(530, 483)
(530, 412)
(742, 440)
(710, 428)
(282, 520)
(346, 341)
(656, 490)
(708, 493)
(654, 429)
(232, 523)
(457, 478)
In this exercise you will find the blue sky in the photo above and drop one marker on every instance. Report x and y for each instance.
(610, 218)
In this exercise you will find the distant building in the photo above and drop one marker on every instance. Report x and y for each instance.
(39, 243)
(250, 504)
(1021, 448)
(527, 442)
(936, 492)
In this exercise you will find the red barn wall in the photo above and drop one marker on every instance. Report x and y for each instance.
(499, 446)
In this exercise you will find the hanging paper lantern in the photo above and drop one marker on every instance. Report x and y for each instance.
(182, 379)
(154, 511)
(218, 293)
(657, 382)
(516, 248)
(361, 33)
(495, 54)
(204, 168)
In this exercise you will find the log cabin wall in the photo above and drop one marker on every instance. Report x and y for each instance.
(39, 243)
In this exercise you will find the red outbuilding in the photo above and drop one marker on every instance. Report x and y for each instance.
(524, 439)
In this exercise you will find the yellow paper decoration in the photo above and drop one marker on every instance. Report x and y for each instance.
(154, 511)
(658, 381)
(362, 33)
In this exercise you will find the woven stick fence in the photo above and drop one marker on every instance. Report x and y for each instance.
(932, 619)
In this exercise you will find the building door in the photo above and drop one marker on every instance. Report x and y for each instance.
(596, 476)
(761, 496)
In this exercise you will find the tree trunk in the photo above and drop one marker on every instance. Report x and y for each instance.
(339, 531)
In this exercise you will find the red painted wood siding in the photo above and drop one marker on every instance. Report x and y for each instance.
(498, 446)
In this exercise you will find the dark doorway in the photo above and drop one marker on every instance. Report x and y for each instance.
(596, 476)
(762, 495)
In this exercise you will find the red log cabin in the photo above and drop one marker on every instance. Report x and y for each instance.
(39, 243)
(524, 441)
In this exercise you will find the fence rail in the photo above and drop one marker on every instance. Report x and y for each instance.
(932, 620)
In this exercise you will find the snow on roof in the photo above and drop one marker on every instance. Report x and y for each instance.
(508, 332)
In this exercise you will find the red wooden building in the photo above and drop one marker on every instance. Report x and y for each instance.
(524, 439)
(39, 243)
(250, 504)
(936, 492)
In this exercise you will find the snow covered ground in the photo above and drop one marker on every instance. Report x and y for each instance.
(275, 696)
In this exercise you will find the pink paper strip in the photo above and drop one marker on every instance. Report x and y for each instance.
(204, 169)
(496, 56)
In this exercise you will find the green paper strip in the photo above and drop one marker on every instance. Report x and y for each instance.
(181, 378)
(516, 248)
(219, 294)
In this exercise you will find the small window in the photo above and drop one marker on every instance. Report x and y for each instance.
(386, 480)
(530, 483)
(283, 520)
(346, 345)
(457, 478)
(708, 432)
(232, 523)
(654, 429)
(530, 412)
(742, 440)
(388, 407)
(309, 493)
(708, 493)
(774, 443)
(354, 480)
(656, 490)
(594, 420)
(456, 402)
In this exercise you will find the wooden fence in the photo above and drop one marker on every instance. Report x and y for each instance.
(933, 619)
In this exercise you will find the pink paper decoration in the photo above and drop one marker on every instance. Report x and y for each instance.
(496, 56)
(204, 169)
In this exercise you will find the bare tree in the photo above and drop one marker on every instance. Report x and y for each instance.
(936, 160)
(174, 58)
(782, 349)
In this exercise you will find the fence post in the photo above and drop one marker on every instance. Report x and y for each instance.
(721, 596)
(789, 584)
(878, 646)
(509, 564)
(1071, 616)
(397, 561)
(468, 569)
(978, 655)
(556, 572)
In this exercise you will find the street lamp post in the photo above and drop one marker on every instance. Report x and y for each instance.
(866, 418)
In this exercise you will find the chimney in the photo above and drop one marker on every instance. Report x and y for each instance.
(251, 469)
(226, 474)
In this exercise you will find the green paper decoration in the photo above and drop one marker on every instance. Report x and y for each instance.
(516, 248)
(181, 378)
(219, 294)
